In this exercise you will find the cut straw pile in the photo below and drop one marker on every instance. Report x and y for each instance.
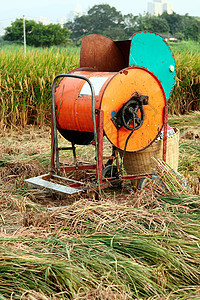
(169, 181)
(147, 247)
(105, 250)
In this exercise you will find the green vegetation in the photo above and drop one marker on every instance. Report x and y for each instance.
(186, 94)
(37, 34)
(106, 20)
(26, 81)
(144, 247)
(131, 252)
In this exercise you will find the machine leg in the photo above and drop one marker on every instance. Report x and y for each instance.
(52, 146)
(74, 155)
(99, 145)
(165, 133)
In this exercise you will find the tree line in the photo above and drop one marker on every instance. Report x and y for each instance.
(106, 20)
(37, 34)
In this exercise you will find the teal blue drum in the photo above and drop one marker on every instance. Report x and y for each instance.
(150, 51)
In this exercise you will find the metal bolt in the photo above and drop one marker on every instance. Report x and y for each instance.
(171, 68)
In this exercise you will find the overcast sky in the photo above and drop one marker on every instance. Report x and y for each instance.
(55, 9)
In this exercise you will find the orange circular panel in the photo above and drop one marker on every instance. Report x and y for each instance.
(120, 89)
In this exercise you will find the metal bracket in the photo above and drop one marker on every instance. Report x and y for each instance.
(128, 113)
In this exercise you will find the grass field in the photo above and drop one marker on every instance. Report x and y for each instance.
(186, 93)
(130, 245)
(145, 246)
(25, 81)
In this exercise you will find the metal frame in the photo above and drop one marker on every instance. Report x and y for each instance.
(98, 137)
(99, 149)
(74, 186)
(54, 139)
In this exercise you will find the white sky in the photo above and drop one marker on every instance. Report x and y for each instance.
(55, 9)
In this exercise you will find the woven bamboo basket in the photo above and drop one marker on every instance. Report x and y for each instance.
(140, 163)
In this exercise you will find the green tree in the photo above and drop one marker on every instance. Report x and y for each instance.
(79, 27)
(130, 24)
(37, 34)
(104, 16)
(186, 26)
(175, 22)
(152, 23)
(102, 19)
(106, 20)
(192, 32)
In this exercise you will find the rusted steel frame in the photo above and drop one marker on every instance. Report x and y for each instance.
(73, 148)
(64, 148)
(82, 167)
(74, 154)
(46, 176)
(127, 177)
(52, 144)
(99, 170)
(74, 183)
(165, 133)
(51, 176)
(67, 179)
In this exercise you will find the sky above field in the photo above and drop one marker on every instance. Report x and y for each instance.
(54, 10)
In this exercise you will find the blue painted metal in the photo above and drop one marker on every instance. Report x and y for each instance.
(149, 50)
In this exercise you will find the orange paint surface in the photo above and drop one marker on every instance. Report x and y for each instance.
(112, 90)
(74, 102)
(120, 89)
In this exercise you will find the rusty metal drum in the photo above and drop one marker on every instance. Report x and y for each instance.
(121, 95)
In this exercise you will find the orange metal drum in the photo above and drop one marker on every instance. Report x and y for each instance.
(73, 100)
(120, 89)
(112, 90)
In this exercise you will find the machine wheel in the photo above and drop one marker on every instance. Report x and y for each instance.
(130, 115)
(110, 171)
(143, 183)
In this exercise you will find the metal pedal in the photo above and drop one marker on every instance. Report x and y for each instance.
(41, 183)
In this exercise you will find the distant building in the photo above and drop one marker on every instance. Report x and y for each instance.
(73, 14)
(169, 37)
(62, 21)
(44, 20)
(77, 12)
(157, 7)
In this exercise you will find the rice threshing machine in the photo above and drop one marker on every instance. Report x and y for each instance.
(120, 91)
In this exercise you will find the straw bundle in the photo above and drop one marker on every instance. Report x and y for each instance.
(169, 181)
(140, 163)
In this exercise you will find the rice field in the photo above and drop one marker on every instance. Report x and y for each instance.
(131, 245)
(186, 93)
(25, 81)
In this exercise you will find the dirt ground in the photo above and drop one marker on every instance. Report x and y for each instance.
(25, 153)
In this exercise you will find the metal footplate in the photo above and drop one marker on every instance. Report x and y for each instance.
(42, 182)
